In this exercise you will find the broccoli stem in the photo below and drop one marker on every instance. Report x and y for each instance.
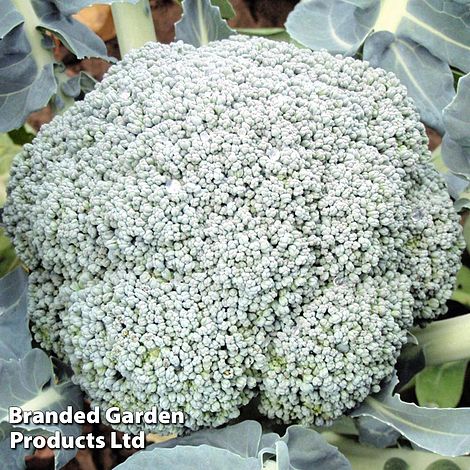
(446, 340)
(134, 25)
(42, 56)
(362, 456)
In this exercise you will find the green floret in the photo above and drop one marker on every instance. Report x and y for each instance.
(244, 219)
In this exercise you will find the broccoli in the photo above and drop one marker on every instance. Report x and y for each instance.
(245, 219)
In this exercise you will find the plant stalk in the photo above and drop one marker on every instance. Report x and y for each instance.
(134, 25)
(445, 340)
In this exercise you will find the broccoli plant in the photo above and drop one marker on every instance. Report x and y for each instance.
(229, 221)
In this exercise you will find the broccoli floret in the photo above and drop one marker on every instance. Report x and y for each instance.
(247, 218)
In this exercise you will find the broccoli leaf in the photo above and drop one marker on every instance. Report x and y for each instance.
(375, 433)
(202, 457)
(440, 26)
(226, 9)
(11, 18)
(411, 62)
(201, 23)
(30, 383)
(445, 431)
(11, 458)
(74, 35)
(456, 116)
(80, 83)
(335, 25)
(299, 449)
(7, 152)
(242, 439)
(456, 142)
(27, 76)
(15, 339)
(26, 82)
(442, 385)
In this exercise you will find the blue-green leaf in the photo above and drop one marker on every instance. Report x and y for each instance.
(445, 431)
(25, 86)
(15, 338)
(299, 449)
(456, 156)
(335, 25)
(80, 83)
(75, 36)
(456, 115)
(375, 433)
(11, 459)
(202, 457)
(308, 449)
(10, 18)
(428, 79)
(201, 23)
(30, 383)
(441, 26)
(242, 439)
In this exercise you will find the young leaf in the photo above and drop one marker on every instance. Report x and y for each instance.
(441, 386)
(201, 23)
(15, 339)
(445, 431)
(30, 383)
(462, 284)
(428, 79)
(8, 259)
(7, 152)
(226, 9)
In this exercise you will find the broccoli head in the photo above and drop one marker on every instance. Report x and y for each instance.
(242, 219)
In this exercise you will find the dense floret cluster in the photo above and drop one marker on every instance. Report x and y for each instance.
(243, 219)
